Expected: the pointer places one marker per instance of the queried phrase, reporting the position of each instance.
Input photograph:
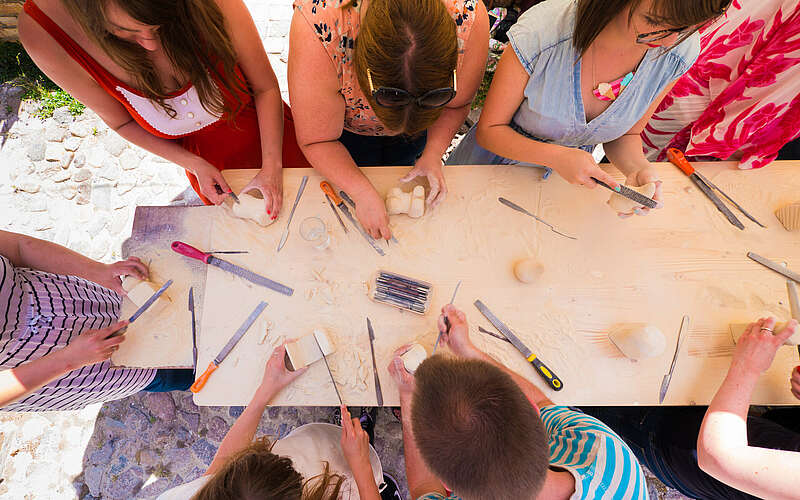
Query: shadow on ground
(147, 443)
(10, 101)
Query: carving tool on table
(794, 303)
(190, 251)
(300, 190)
(662, 393)
(350, 201)
(546, 373)
(401, 291)
(492, 334)
(214, 364)
(333, 381)
(228, 252)
(630, 194)
(328, 190)
(706, 186)
(782, 270)
(518, 208)
(338, 217)
(194, 333)
(149, 302)
(229, 193)
(378, 392)
(446, 321)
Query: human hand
(270, 184)
(209, 178)
(641, 177)
(431, 168)
(402, 377)
(577, 166)
(276, 375)
(371, 213)
(457, 339)
(354, 442)
(795, 380)
(757, 346)
(92, 346)
(109, 275)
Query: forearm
(365, 482)
(269, 108)
(167, 149)
(508, 143)
(332, 160)
(420, 479)
(16, 383)
(242, 432)
(626, 154)
(441, 133)
(51, 257)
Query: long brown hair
(255, 473)
(460, 416)
(193, 36)
(594, 15)
(407, 44)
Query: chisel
(194, 333)
(333, 380)
(446, 321)
(630, 194)
(149, 302)
(214, 364)
(300, 190)
(775, 266)
(338, 217)
(328, 190)
(378, 392)
(190, 251)
(662, 393)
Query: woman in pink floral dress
(741, 99)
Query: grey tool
(190, 251)
(300, 190)
(446, 321)
(492, 334)
(333, 381)
(775, 266)
(229, 193)
(518, 208)
(378, 392)
(665, 381)
(630, 194)
(149, 302)
(339, 202)
(714, 186)
(794, 303)
(194, 333)
(546, 373)
(214, 364)
(228, 252)
(336, 213)
(349, 200)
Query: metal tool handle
(190, 251)
(547, 374)
(201, 381)
(328, 189)
(629, 193)
(676, 157)
(347, 198)
(297, 198)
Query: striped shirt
(603, 466)
(40, 313)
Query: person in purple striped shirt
(57, 310)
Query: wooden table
(682, 259)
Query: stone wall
(9, 10)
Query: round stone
(190, 114)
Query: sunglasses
(654, 36)
(390, 97)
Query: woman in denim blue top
(582, 73)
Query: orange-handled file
(200, 382)
(679, 160)
(328, 189)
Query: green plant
(17, 68)
(480, 95)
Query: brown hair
(477, 431)
(594, 15)
(407, 44)
(193, 36)
(255, 473)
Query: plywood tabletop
(684, 258)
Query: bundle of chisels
(401, 291)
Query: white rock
(115, 144)
(79, 160)
(111, 169)
(29, 185)
(95, 156)
(33, 203)
(61, 176)
(53, 152)
(81, 128)
(33, 428)
(84, 194)
(129, 159)
(62, 115)
(126, 182)
(66, 159)
(54, 132)
(72, 143)
(36, 151)
(69, 191)
(82, 175)
(42, 222)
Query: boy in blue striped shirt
(473, 426)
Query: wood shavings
(267, 328)
(352, 370)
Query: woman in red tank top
(186, 80)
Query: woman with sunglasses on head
(582, 73)
(172, 77)
(392, 82)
